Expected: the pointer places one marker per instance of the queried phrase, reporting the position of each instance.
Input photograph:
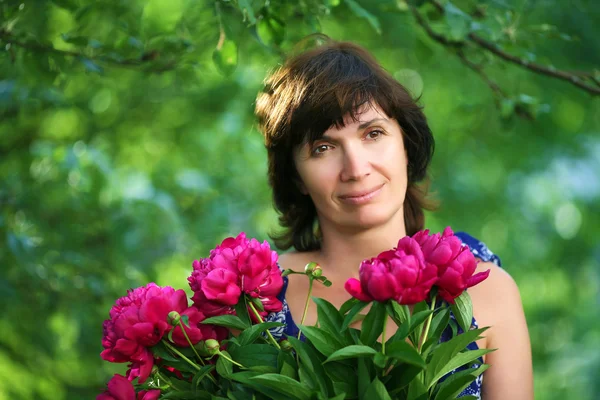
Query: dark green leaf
(249, 335)
(314, 365)
(205, 370)
(347, 306)
(446, 351)
(356, 308)
(377, 391)
(241, 311)
(284, 385)
(254, 355)
(323, 341)
(404, 352)
(458, 361)
(228, 321)
(463, 310)
(352, 351)
(372, 326)
(359, 11)
(457, 382)
(224, 366)
(271, 30)
(330, 318)
(225, 57)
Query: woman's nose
(355, 164)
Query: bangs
(337, 89)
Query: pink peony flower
(400, 274)
(139, 321)
(238, 265)
(120, 388)
(221, 285)
(454, 261)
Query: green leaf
(457, 22)
(245, 378)
(228, 321)
(446, 351)
(205, 370)
(310, 359)
(330, 318)
(225, 56)
(347, 306)
(377, 391)
(458, 361)
(352, 351)
(463, 311)
(247, 11)
(457, 382)
(417, 391)
(241, 311)
(284, 385)
(161, 351)
(249, 335)
(399, 313)
(224, 366)
(180, 395)
(380, 360)
(356, 308)
(323, 341)
(372, 326)
(405, 352)
(271, 30)
(402, 375)
(364, 376)
(256, 355)
(359, 11)
(343, 377)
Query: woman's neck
(342, 252)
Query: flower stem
(230, 360)
(167, 381)
(310, 287)
(174, 350)
(383, 335)
(257, 315)
(190, 343)
(428, 324)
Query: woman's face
(356, 176)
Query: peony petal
(354, 287)
(120, 388)
(477, 278)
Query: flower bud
(310, 267)
(174, 318)
(286, 346)
(211, 346)
(317, 272)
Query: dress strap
(478, 248)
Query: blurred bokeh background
(128, 148)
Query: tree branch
(131, 62)
(576, 79)
(539, 68)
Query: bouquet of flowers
(220, 346)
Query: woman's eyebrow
(367, 123)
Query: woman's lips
(357, 198)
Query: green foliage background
(128, 149)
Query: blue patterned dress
(479, 250)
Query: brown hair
(310, 93)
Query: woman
(347, 148)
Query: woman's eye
(317, 150)
(374, 135)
